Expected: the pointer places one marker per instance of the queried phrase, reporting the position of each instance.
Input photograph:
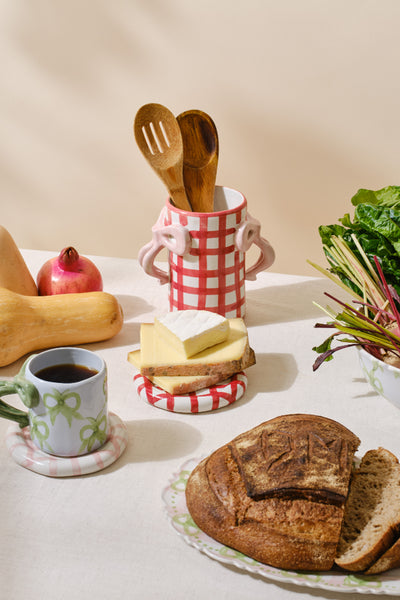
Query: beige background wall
(305, 95)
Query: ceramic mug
(207, 254)
(65, 418)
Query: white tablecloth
(105, 535)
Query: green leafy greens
(376, 225)
(364, 259)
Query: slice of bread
(180, 384)
(389, 560)
(372, 513)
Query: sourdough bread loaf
(277, 492)
(372, 516)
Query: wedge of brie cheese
(178, 384)
(160, 357)
(191, 331)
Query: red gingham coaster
(212, 398)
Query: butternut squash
(14, 274)
(29, 323)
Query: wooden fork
(159, 138)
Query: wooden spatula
(200, 158)
(159, 138)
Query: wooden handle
(180, 199)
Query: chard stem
(365, 259)
(360, 275)
(335, 279)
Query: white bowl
(383, 378)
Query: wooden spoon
(200, 158)
(159, 138)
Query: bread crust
(389, 560)
(300, 456)
(282, 530)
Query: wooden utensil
(159, 138)
(200, 158)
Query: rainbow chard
(374, 325)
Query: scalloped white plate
(180, 519)
(26, 454)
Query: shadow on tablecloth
(292, 302)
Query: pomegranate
(68, 273)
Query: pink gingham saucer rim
(207, 399)
(26, 454)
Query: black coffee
(66, 373)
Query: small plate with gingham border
(208, 399)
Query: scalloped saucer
(26, 454)
(337, 582)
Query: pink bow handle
(174, 238)
(146, 257)
(248, 234)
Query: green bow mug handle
(26, 391)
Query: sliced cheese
(158, 357)
(179, 384)
(191, 331)
(134, 358)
